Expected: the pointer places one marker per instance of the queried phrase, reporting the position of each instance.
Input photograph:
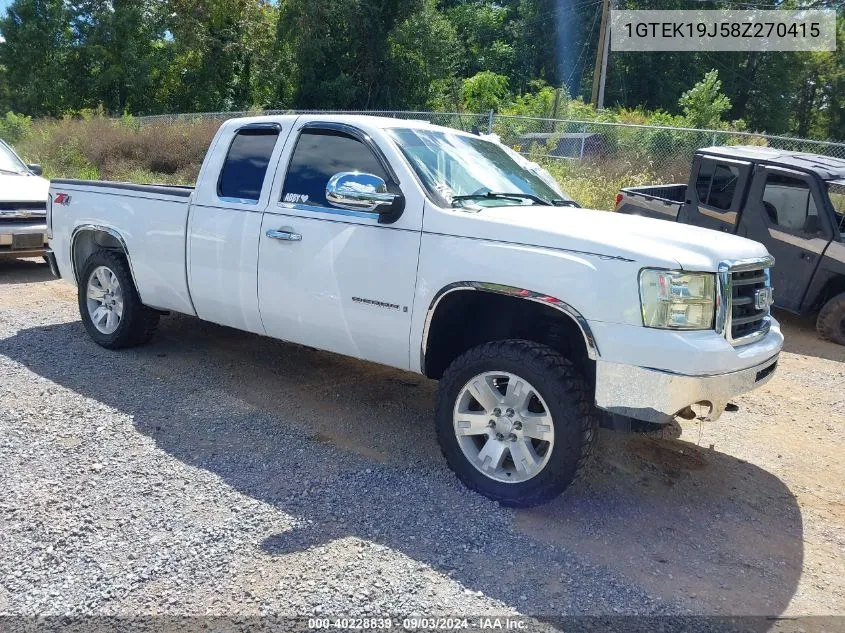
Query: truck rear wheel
(109, 304)
(831, 321)
(515, 421)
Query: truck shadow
(24, 271)
(347, 449)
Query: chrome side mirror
(359, 192)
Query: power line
(553, 13)
(584, 47)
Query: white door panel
(223, 256)
(346, 287)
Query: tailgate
(662, 202)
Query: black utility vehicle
(792, 202)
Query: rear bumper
(50, 256)
(20, 239)
(658, 396)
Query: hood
(23, 188)
(648, 241)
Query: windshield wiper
(496, 195)
(563, 202)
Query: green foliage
(484, 91)
(93, 146)
(540, 102)
(14, 127)
(595, 184)
(704, 103)
(519, 57)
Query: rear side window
(246, 164)
(716, 184)
(789, 203)
(319, 155)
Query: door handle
(286, 236)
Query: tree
(704, 103)
(38, 57)
(222, 54)
(484, 91)
(116, 50)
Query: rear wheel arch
(465, 314)
(89, 238)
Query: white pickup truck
(23, 205)
(437, 252)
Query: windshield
(836, 193)
(455, 165)
(9, 162)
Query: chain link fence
(591, 159)
(565, 139)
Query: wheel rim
(104, 298)
(504, 426)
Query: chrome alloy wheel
(104, 298)
(503, 426)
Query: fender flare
(82, 228)
(511, 291)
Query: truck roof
(363, 121)
(826, 167)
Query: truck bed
(182, 191)
(654, 201)
(151, 221)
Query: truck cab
(792, 202)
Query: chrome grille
(30, 205)
(744, 297)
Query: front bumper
(23, 239)
(658, 396)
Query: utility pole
(602, 52)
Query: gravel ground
(217, 472)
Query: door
(715, 198)
(335, 278)
(225, 222)
(782, 212)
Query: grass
(594, 183)
(94, 147)
(109, 149)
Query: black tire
(567, 397)
(138, 323)
(831, 321)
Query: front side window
(9, 162)
(454, 166)
(836, 193)
(789, 204)
(246, 164)
(319, 155)
(716, 184)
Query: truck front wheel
(109, 304)
(831, 320)
(515, 421)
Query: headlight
(675, 300)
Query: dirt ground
(739, 517)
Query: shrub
(93, 146)
(14, 127)
(485, 91)
(594, 183)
